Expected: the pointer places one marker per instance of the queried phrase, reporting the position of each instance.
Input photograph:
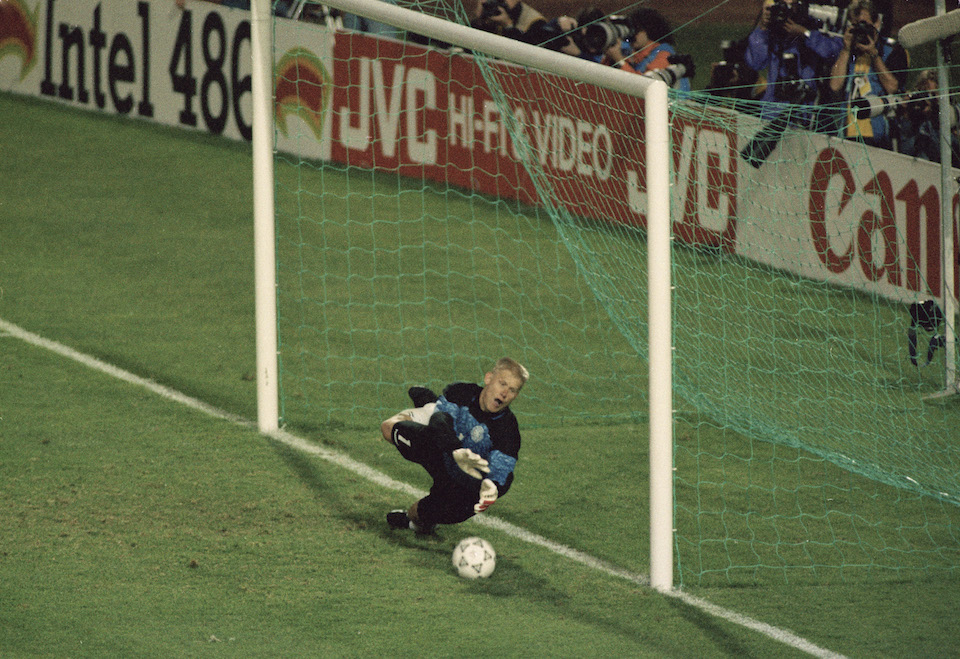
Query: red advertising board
(819, 206)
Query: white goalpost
(265, 270)
(939, 29)
(951, 384)
(657, 193)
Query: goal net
(437, 209)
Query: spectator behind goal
(916, 126)
(868, 65)
(651, 48)
(793, 54)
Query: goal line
(379, 478)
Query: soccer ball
(474, 558)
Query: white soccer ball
(474, 558)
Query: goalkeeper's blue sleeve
(501, 466)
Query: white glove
(488, 494)
(470, 462)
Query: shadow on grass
(711, 628)
(514, 579)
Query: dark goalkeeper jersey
(494, 437)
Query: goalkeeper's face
(499, 390)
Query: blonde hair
(927, 75)
(515, 367)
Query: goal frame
(657, 150)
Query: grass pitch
(134, 526)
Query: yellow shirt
(861, 87)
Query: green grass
(385, 282)
(135, 526)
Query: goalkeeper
(468, 441)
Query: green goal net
(437, 209)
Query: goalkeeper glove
(470, 462)
(488, 495)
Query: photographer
(917, 124)
(583, 36)
(559, 34)
(867, 65)
(508, 18)
(795, 54)
(731, 77)
(651, 47)
(591, 36)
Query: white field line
(342, 460)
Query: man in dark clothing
(467, 439)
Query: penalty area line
(339, 459)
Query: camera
(491, 8)
(790, 87)
(871, 106)
(810, 16)
(921, 105)
(598, 37)
(730, 71)
(681, 66)
(554, 37)
(863, 33)
(733, 51)
(781, 12)
(925, 105)
(917, 106)
(822, 15)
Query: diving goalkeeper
(467, 439)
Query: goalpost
(657, 138)
(941, 29)
(437, 207)
(265, 267)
